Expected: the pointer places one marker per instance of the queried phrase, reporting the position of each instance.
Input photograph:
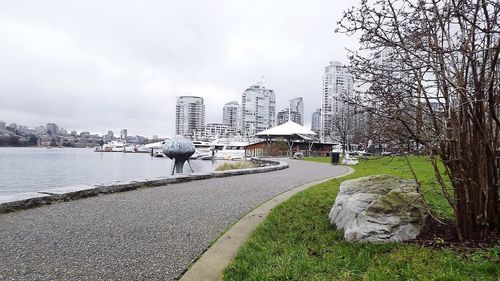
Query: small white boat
(203, 149)
(114, 146)
(130, 148)
(118, 148)
(232, 151)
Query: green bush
(235, 166)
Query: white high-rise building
(189, 116)
(316, 121)
(258, 110)
(297, 107)
(337, 82)
(231, 115)
(214, 131)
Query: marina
(224, 149)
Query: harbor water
(34, 169)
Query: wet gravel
(151, 233)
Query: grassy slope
(297, 242)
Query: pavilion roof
(289, 129)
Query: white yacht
(155, 149)
(115, 146)
(203, 149)
(232, 151)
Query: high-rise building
(189, 115)
(337, 83)
(215, 130)
(123, 134)
(231, 115)
(282, 116)
(52, 129)
(316, 121)
(286, 114)
(2, 125)
(258, 109)
(108, 137)
(297, 110)
(74, 133)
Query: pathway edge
(211, 264)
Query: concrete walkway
(151, 233)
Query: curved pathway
(151, 233)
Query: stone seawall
(9, 203)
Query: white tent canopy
(287, 130)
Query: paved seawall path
(151, 233)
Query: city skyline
(190, 111)
(92, 74)
(42, 129)
(257, 112)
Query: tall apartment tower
(258, 109)
(189, 115)
(297, 110)
(287, 114)
(231, 115)
(282, 116)
(124, 134)
(337, 82)
(316, 121)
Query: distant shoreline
(40, 146)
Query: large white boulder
(379, 208)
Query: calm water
(33, 169)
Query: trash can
(334, 158)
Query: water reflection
(32, 169)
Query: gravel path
(150, 233)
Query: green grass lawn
(297, 242)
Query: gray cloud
(99, 65)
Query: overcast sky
(107, 65)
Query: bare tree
(342, 122)
(432, 66)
